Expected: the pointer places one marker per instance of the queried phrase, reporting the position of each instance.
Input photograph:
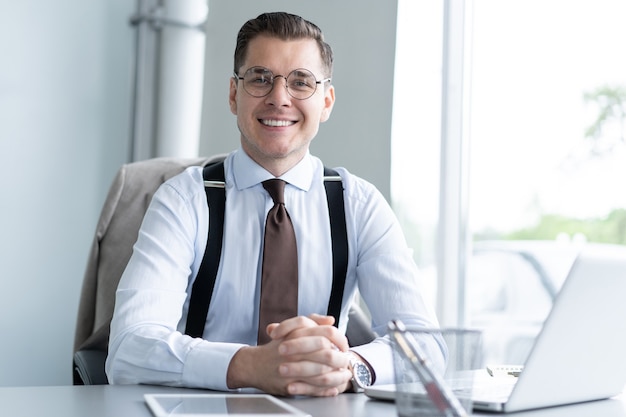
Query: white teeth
(276, 123)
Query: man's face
(277, 128)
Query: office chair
(116, 233)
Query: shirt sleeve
(387, 277)
(147, 344)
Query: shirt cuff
(206, 365)
(378, 356)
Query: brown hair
(283, 26)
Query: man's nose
(279, 93)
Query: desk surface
(127, 401)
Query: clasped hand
(306, 356)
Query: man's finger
(282, 329)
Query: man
(280, 93)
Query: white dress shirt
(147, 342)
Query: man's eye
(300, 83)
(260, 80)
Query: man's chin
(274, 151)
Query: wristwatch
(361, 374)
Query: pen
(437, 390)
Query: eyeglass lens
(258, 82)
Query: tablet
(220, 405)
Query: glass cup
(451, 373)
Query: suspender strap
(339, 239)
(202, 290)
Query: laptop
(579, 354)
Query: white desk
(127, 401)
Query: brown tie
(279, 274)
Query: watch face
(362, 375)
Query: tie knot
(276, 189)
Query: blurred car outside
(509, 291)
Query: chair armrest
(359, 331)
(89, 367)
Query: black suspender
(339, 238)
(202, 289)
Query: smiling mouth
(276, 123)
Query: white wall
(65, 90)
(64, 111)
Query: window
(416, 129)
(544, 119)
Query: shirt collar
(248, 173)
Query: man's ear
(329, 102)
(232, 96)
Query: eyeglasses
(300, 83)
